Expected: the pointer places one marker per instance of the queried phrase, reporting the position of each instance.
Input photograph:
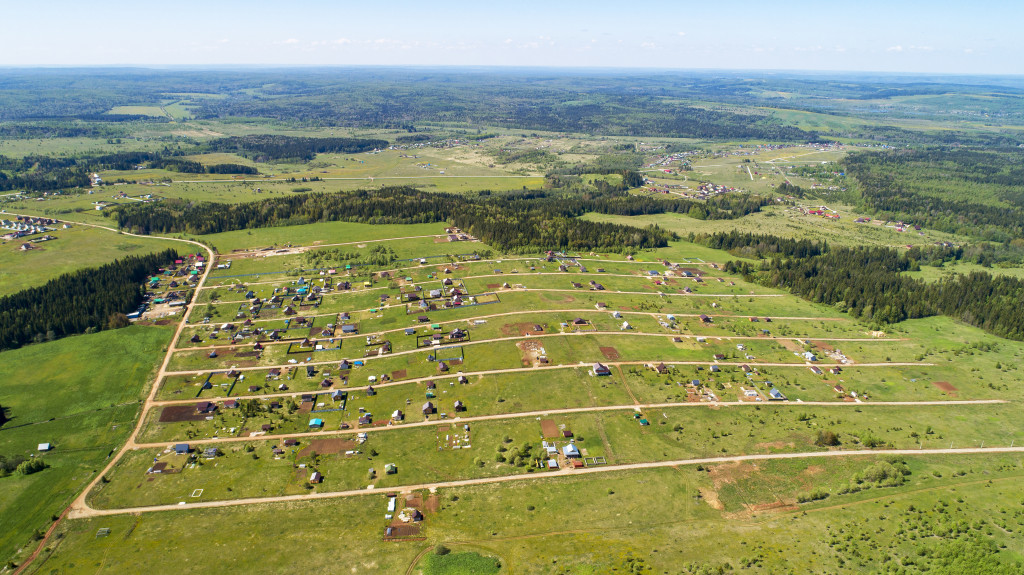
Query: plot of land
(172, 413)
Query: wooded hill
(517, 221)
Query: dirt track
(565, 472)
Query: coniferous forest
(86, 300)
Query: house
(719, 357)
(835, 370)
(370, 392)
(442, 366)
(316, 422)
(231, 404)
(195, 338)
(704, 318)
(810, 356)
(745, 368)
(44, 447)
(815, 370)
(570, 451)
(254, 388)
(714, 369)
(291, 442)
(397, 415)
(206, 407)
(428, 408)
(390, 469)
(431, 385)
(552, 464)
(463, 379)
(266, 427)
(344, 365)
(315, 477)
(410, 331)
(366, 419)
(310, 371)
(423, 319)
(579, 321)
(182, 449)
(776, 395)
(661, 368)
(459, 406)
(348, 328)
(600, 369)
(211, 453)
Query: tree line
(268, 147)
(508, 221)
(82, 301)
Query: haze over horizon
(909, 37)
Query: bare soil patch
(531, 350)
(823, 345)
(730, 472)
(328, 446)
(493, 286)
(944, 385)
(399, 374)
(791, 345)
(173, 413)
(548, 428)
(710, 496)
(610, 353)
(433, 503)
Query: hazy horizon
(873, 37)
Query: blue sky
(858, 35)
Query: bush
(441, 550)
(31, 466)
(827, 439)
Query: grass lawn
(81, 394)
(74, 248)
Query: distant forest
(866, 282)
(519, 221)
(85, 300)
(969, 192)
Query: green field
(80, 394)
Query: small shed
(44, 447)
(570, 451)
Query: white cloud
(648, 45)
(680, 33)
(968, 50)
(508, 40)
(896, 48)
(342, 41)
(289, 41)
